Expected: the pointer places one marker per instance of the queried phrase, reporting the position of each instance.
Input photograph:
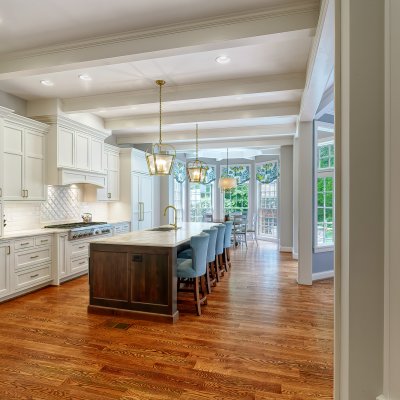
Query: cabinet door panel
(13, 140)
(112, 162)
(97, 159)
(66, 148)
(34, 144)
(113, 184)
(82, 151)
(135, 201)
(4, 269)
(34, 178)
(12, 178)
(146, 192)
(147, 220)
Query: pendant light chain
(160, 83)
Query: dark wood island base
(136, 281)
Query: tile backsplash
(64, 204)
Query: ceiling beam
(251, 144)
(207, 115)
(321, 62)
(244, 133)
(229, 87)
(201, 35)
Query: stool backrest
(199, 245)
(220, 239)
(228, 233)
(211, 243)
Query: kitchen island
(135, 273)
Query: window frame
(249, 198)
(258, 204)
(182, 199)
(323, 173)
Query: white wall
(392, 231)
(296, 198)
(14, 103)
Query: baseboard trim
(295, 256)
(285, 249)
(322, 275)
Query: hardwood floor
(260, 337)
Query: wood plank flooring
(260, 337)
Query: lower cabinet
(25, 264)
(5, 268)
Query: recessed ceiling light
(102, 111)
(85, 77)
(47, 82)
(223, 60)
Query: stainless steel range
(80, 230)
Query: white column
(305, 182)
(360, 200)
(286, 199)
(295, 251)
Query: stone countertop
(150, 238)
(32, 232)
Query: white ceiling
(268, 56)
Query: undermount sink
(163, 229)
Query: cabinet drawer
(22, 244)
(34, 276)
(42, 240)
(119, 229)
(80, 250)
(28, 258)
(79, 265)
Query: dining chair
(240, 229)
(227, 245)
(253, 227)
(194, 268)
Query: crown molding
(60, 120)
(4, 112)
(27, 122)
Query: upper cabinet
(111, 191)
(22, 158)
(74, 147)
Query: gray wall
(323, 261)
(15, 103)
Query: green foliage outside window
(237, 199)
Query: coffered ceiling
(274, 47)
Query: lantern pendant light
(197, 169)
(227, 182)
(160, 157)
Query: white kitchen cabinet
(142, 201)
(5, 268)
(97, 156)
(111, 191)
(73, 147)
(66, 147)
(23, 144)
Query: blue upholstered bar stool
(195, 268)
(210, 274)
(219, 251)
(227, 245)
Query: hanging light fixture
(227, 182)
(197, 169)
(160, 157)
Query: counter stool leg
(197, 295)
(208, 280)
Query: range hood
(70, 177)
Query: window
(324, 204)
(268, 200)
(236, 200)
(179, 196)
(201, 200)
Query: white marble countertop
(32, 232)
(171, 238)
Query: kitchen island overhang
(135, 274)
